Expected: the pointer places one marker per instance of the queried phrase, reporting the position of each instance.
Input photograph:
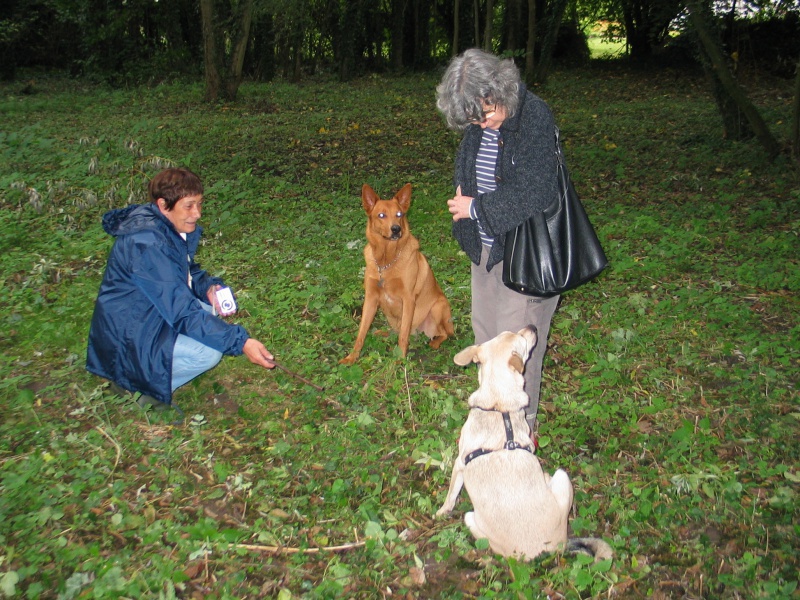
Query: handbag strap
(559, 152)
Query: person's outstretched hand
(258, 354)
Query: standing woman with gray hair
(505, 171)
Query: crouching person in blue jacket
(154, 326)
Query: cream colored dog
(519, 508)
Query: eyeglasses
(485, 115)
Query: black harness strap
(509, 445)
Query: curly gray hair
(472, 79)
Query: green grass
(602, 48)
(670, 391)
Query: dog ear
(531, 335)
(516, 363)
(404, 197)
(368, 198)
(466, 356)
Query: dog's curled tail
(591, 546)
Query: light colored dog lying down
(519, 508)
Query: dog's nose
(396, 229)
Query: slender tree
(514, 25)
(398, 33)
(488, 27)
(729, 89)
(476, 20)
(454, 47)
(223, 62)
(556, 10)
(530, 49)
(796, 116)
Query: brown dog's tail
(591, 546)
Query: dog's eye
(381, 215)
(399, 215)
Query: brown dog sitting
(517, 506)
(398, 277)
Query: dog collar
(509, 445)
(381, 269)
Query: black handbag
(556, 249)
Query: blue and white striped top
(485, 166)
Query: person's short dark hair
(174, 184)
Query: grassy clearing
(602, 48)
(670, 390)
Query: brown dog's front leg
(405, 324)
(367, 315)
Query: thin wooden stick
(116, 446)
(284, 550)
(300, 377)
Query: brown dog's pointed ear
(404, 197)
(466, 356)
(515, 362)
(368, 198)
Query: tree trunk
(728, 82)
(454, 49)
(398, 27)
(487, 30)
(211, 65)
(734, 124)
(513, 25)
(559, 7)
(241, 35)
(637, 35)
(222, 81)
(476, 15)
(264, 48)
(346, 57)
(297, 55)
(796, 117)
(422, 33)
(530, 57)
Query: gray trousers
(496, 308)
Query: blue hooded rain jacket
(145, 301)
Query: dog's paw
(437, 341)
(349, 359)
(443, 511)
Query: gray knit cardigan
(526, 176)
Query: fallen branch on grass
(285, 550)
(298, 376)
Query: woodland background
(129, 41)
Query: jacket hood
(139, 217)
(133, 218)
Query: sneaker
(115, 389)
(144, 401)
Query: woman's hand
(459, 205)
(257, 354)
(212, 300)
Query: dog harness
(509, 445)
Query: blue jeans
(190, 358)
